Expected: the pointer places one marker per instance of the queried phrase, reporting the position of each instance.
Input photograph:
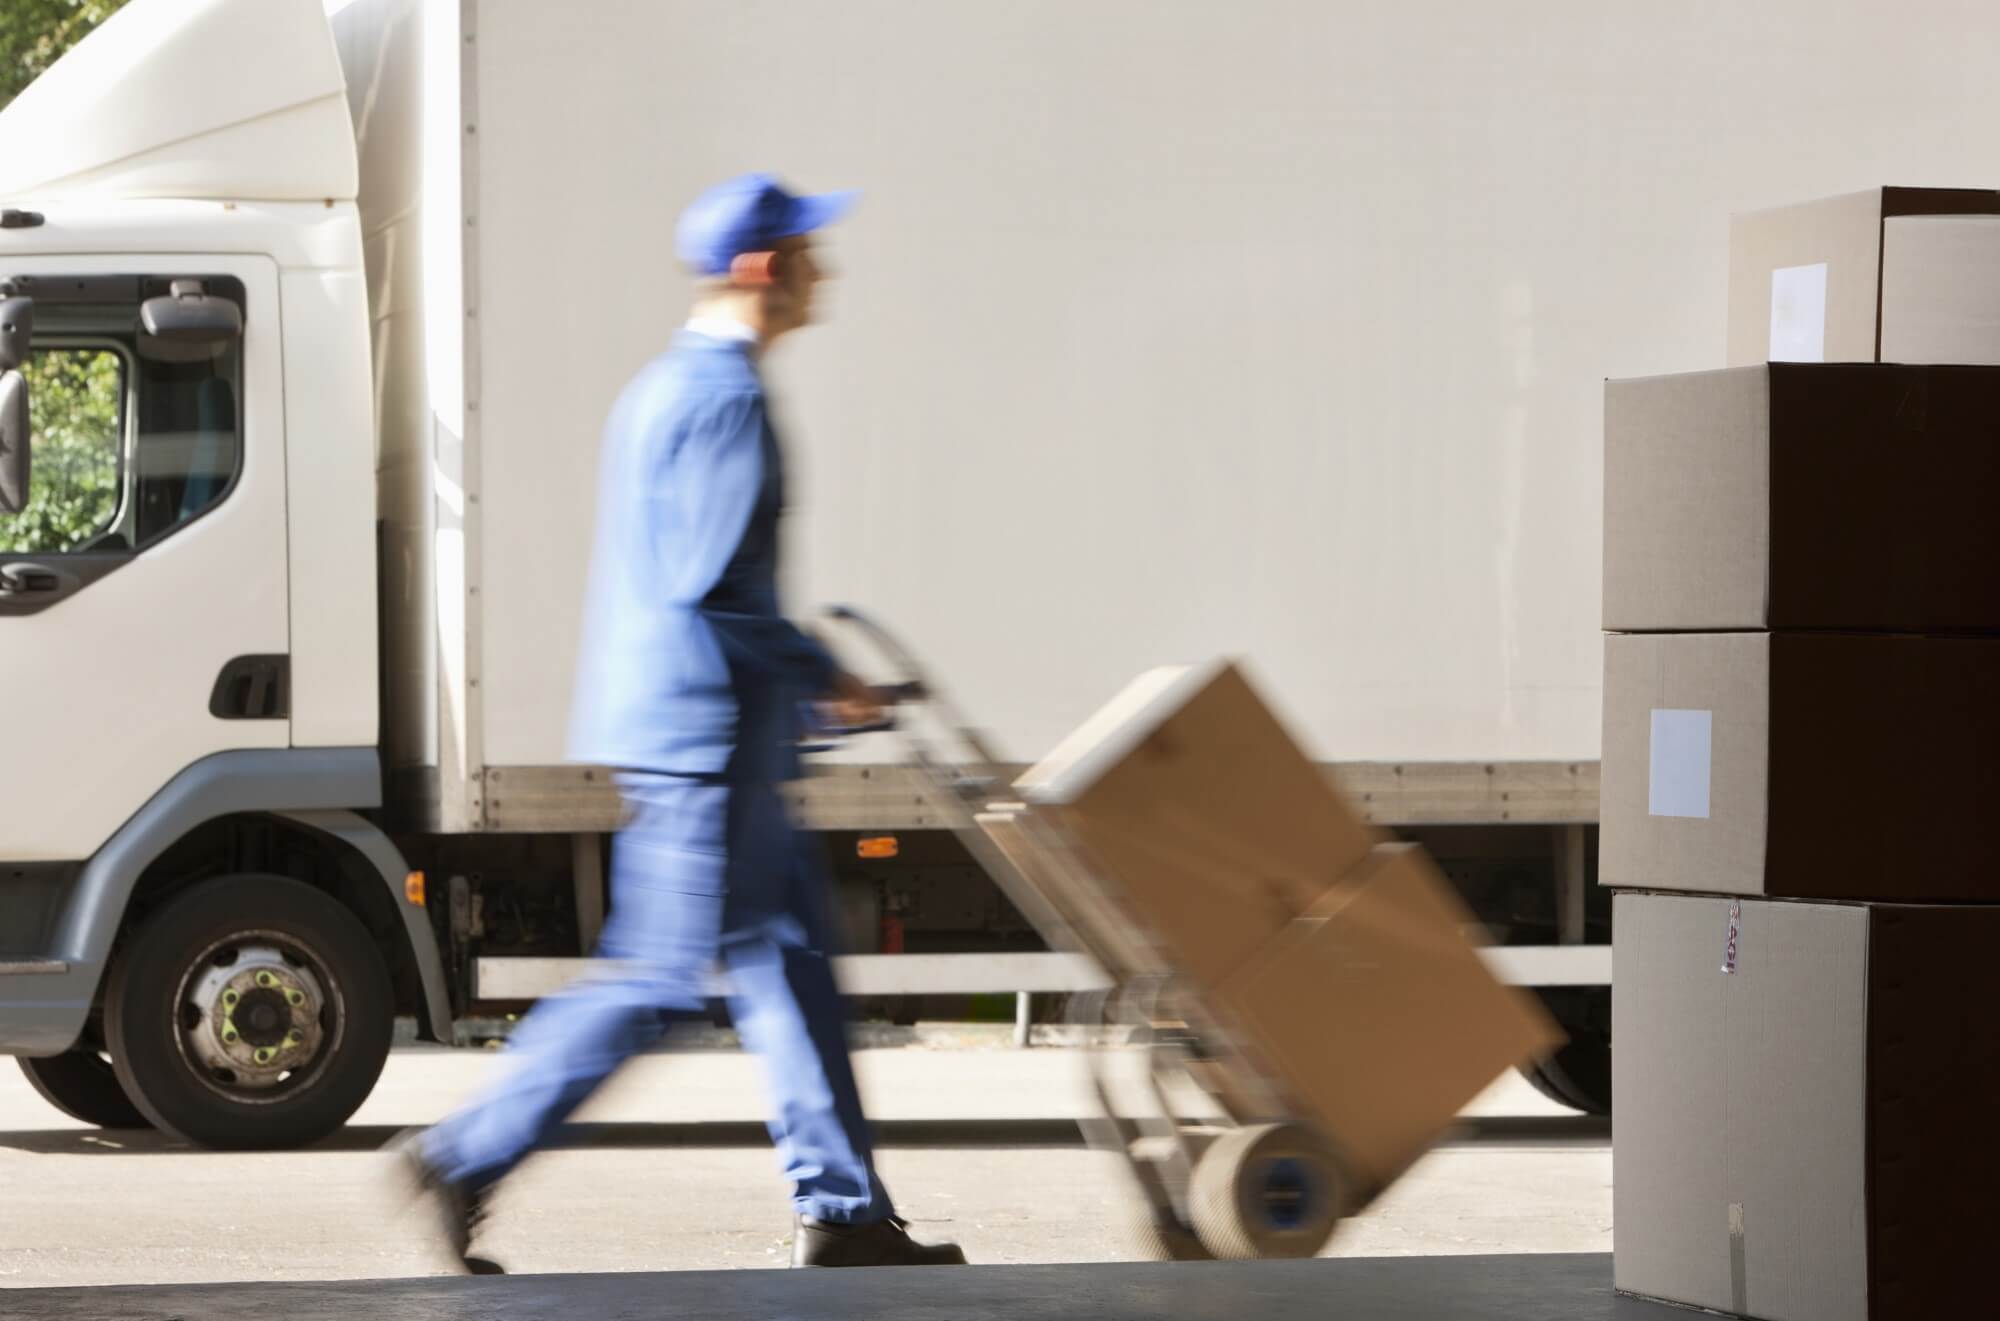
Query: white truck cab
(188, 590)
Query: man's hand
(853, 704)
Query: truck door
(143, 611)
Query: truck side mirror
(17, 328)
(17, 324)
(13, 443)
(189, 315)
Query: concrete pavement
(979, 1145)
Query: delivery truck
(1166, 331)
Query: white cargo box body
(1165, 330)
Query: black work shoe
(877, 1243)
(459, 1210)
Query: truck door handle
(25, 579)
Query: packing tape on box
(1739, 1289)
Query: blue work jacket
(688, 665)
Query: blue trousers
(706, 874)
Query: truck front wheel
(251, 1013)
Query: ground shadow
(1528, 1131)
(953, 1134)
(957, 1134)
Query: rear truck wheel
(83, 1085)
(1578, 1075)
(1267, 1190)
(251, 1013)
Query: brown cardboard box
(1809, 765)
(1380, 1015)
(1803, 497)
(1889, 275)
(1190, 795)
(1805, 1098)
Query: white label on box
(1678, 781)
(1798, 313)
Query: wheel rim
(257, 1017)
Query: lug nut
(295, 998)
(267, 980)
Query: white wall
(1171, 327)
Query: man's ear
(754, 270)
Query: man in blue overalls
(690, 685)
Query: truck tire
(83, 1085)
(1578, 1075)
(1266, 1190)
(251, 1013)
(1556, 1082)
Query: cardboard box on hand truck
(1345, 962)
(1379, 1014)
(1217, 827)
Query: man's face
(789, 299)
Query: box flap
(1112, 732)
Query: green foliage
(73, 491)
(35, 33)
(75, 398)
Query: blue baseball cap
(749, 214)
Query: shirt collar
(726, 329)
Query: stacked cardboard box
(1889, 275)
(1801, 743)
